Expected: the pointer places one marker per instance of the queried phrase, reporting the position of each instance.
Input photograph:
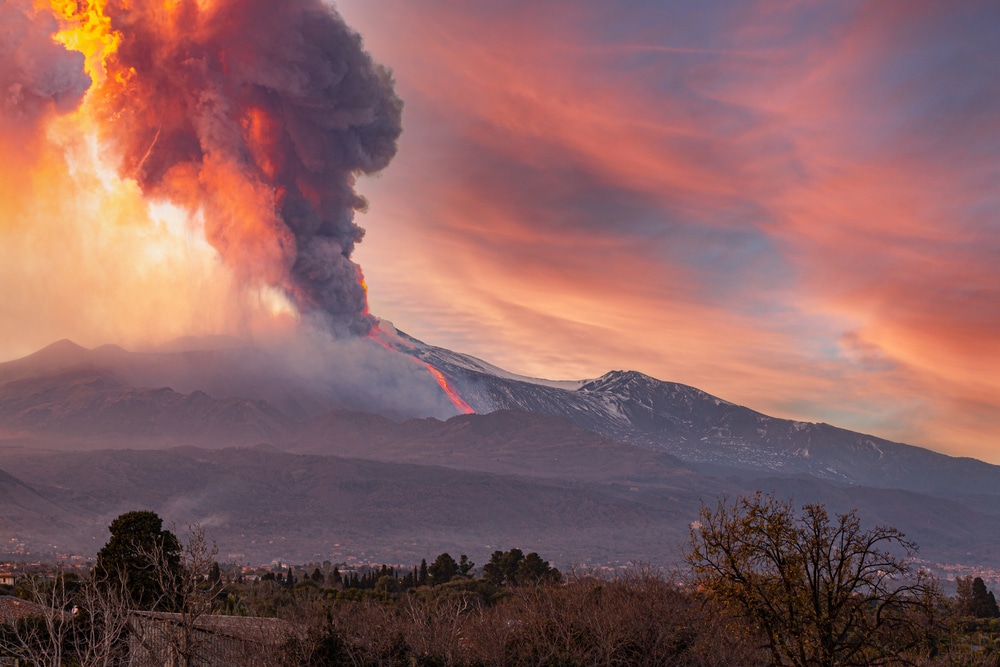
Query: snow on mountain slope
(249, 393)
(703, 429)
(441, 356)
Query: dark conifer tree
(422, 579)
(138, 548)
(984, 604)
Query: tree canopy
(974, 599)
(820, 592)
(442, 569)
(137, 556)
(511, 568)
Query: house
(6, 579)
(12, 609)
(159, 639)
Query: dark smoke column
(261, 114)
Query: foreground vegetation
(765, 585)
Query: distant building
(6, 578)
(12, 609)
(159, 640)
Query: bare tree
(436, 624)
(81, 625)
(819, 592)
(189, 591)
(102, 608)
(41, 632)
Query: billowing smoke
(143, 142)
(37, 75)
(258, 114)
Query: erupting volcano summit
(254, 117)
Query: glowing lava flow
(462, 406)
(380, 337)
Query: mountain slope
(700, 428)
(240, 396)
(268, 504)
(553, 465)
(503, 442)
(31, 520)
(86, 403)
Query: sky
(789, 205)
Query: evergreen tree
(984, 604)
(137, 550)
(465, 565)
(534, 570)
(422, 579)
(442, 569)
(503, 566)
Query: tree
(103, 610)
(510, 568)
(465, 565)
(974, 599)
(141, 554)
(819, 592)
(534, 570)
(422, 579)
(192, 593)
(442, 569)
(43, 635)
(502, 568)
(69, 622)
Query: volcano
(277, 462)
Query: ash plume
(259, 114)
(37, 76)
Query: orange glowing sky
(792, 206)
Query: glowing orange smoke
(254, 119)
(87, 29)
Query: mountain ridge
(602, 470)
(700, 428)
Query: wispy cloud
(790, 205)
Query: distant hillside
(88, 403)
(270, 504)
(612, 469)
